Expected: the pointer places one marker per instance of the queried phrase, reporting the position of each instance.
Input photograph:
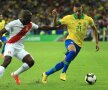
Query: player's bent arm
(48, 28)
(3, 31)
(52, 28)
(95, 32)
(54, 13)
(55, 21)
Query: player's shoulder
(2, 22)
(14, 22)
(67, 17)
(87, 17)
(17, 21)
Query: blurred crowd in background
(41, 9)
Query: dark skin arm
(48, 28)
(55, 13)
(55, 26)
(40, 28)
(1, 33)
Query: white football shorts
(13, 50)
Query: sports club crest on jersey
(84, 23)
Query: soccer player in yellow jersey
(77, 25)
(3, 39)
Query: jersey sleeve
(9, 26)
(91, 22)
(35, 26)
(64, 20)
(2, 24)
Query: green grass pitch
(46, 55)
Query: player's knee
(31, 63)
(7, 61)
(29, 60)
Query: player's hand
(54, 12)
(97, 47)
(0, 44)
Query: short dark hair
(77, 5)
(26, 14)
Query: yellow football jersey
(2, 24)
(77, 28)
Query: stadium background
(41, 9)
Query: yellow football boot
(63, 76)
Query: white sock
(23, 68)
(2, 69)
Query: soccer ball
(90, 78)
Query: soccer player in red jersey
(18, 30)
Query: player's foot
(63, 76)
(44, 78)
(16, 78)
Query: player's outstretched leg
(6, 62)
(51, 71)
(28, 62)
(2, 69)
(69, 57)
(44, 78)
(16, 78)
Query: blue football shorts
(68, 42)
(3, 39)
